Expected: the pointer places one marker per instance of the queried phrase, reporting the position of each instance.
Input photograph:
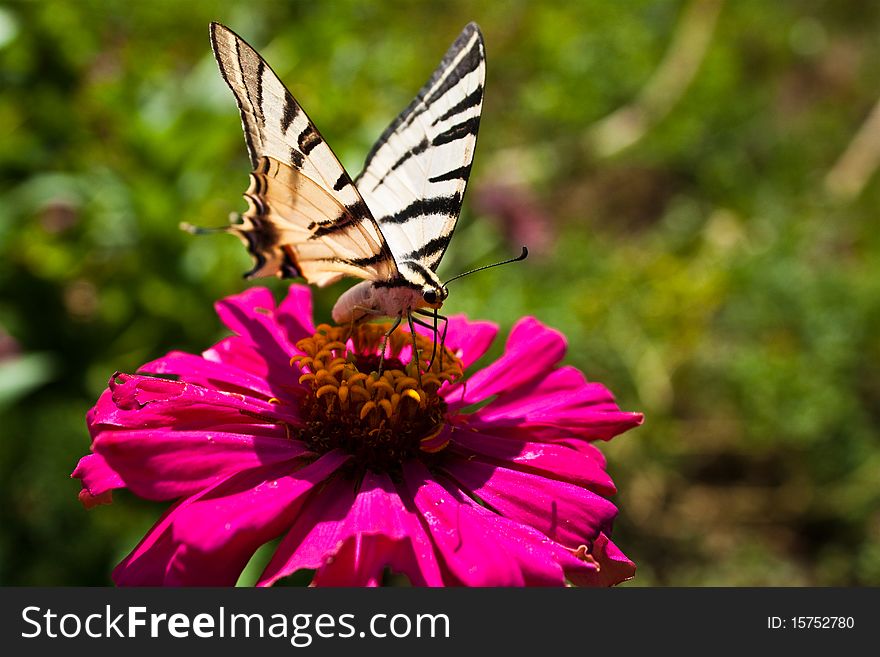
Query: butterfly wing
(305, 217)
(415, 175)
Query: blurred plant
(20, 373)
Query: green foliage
(705, 274)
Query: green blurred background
(695, 180)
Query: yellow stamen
(360, 392)
(383, 386)
(324, 390)
(405, 382)
(428, 445)
(323, 377)
(366, 408)
(412, 394)
(435, 448)
(372, 418)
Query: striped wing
(305, 217)
(415, 175)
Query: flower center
(380, 420)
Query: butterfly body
(369, 299)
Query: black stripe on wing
(288, 116)
(460, 173)
(421, 103)
(442, 205)
(468, 63)
(363, 262)
(421, 147)
(471, 100)
(438, 244)
(355, 215)
(308, 139)
(421, 270)
(458, 131)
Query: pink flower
(282, 430)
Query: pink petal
(350, 538)
(210, 373)
(544, 560)
(237, 310)
(238, 352)
(582, 446)
(142, 401)
(555, 424)
(613, 565)
(547, 459)
(104, 408)
(480, 548)
(251, 314)
(90, 501)
(532, 433)
(469, 339)
(568, 514)
(164, 464)
(150, 563)
(562, 401)
(561, 387)
(207, 539)
(294, 313)
(530, 353)
(282, 380)
(97, 477)
(468, 550)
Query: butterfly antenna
(199, 230)
(521, 256)
(234, 218)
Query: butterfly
(391, 225)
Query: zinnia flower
(287, 430)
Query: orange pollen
(380, 420)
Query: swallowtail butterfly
(391, 225)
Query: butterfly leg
(433, 328)
(443, 337)
(385, 337)
(366, 311)
(435, 316)
(415, 356)
(365, 316)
